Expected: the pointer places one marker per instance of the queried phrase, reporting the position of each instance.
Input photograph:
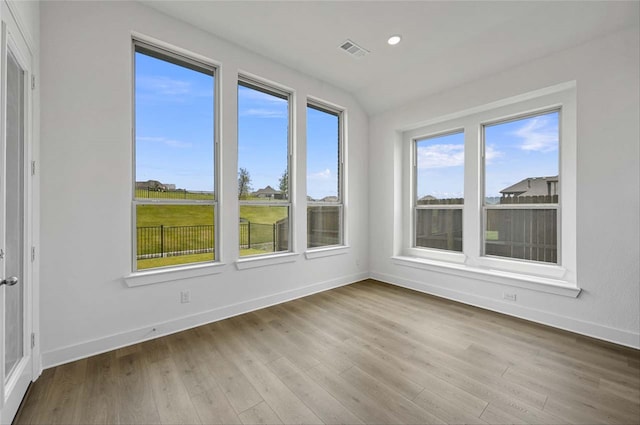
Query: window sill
(534, 283)
(151, 277)
(266, 260)
(326, 252)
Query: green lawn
(261, 219)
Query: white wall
(86, 178)
(606, 71)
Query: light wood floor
(365, 353)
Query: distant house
(267, 192)
(532, 186)
(330, 199)
(151, 185)
(426, 198)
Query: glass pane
(522, 160)
(439, 228)
(440, 170)
(522, 233)
(263, 145)
(263, 229)
(14, 295)
(323, 226)
(169, 235)
(323, 156)
(174, 117)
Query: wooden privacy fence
(323, 225)
(523, 233)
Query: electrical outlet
(510, 297)
(185, 296)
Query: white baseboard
(617, 336)
(101, 345)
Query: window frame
(273, 89)
(472, 262)
(340, 113)
(184, 58)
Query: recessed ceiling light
(394, 39)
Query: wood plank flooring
(364, 353)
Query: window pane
(174, 234)
(323, 226)
(440, 170)
(263, 140)
(174, 119)
(323, 155)
(528, 234)
(263, 229)
(439, 228)
(522, 161)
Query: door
(15, 293)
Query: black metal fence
(150, 193)
(168, 241)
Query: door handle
(9, 281)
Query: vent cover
(353, 49)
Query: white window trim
(170, 274)
(153, 275)
(327, 250)
(471, 262)
(259, 260)
(264, 260)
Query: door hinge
(33, 340)
(33, 82)
(33, 168)
(33, 253)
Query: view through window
(174, 197)
(324, 177)
(522, 187)
(263, 168)
(439, 191)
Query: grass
(261, 219)
(151, 263)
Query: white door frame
(13, 39)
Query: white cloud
(164, 85)
(440, 156)
(538, 135)
(320, 175)
(167, 142)
(264, 113)
(491, 153)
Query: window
(439, 191)
(521, 180)
(325, 168)
(264, 183)
(174, 196)
(505, 173)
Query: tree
(284, 182)
(244, 183)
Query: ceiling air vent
(353, 49)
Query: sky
(174, 132)
(514, 151)
(174, 140)
(174, 124)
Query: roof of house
(266, 191)
(531, 186)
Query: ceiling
(445, 43)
